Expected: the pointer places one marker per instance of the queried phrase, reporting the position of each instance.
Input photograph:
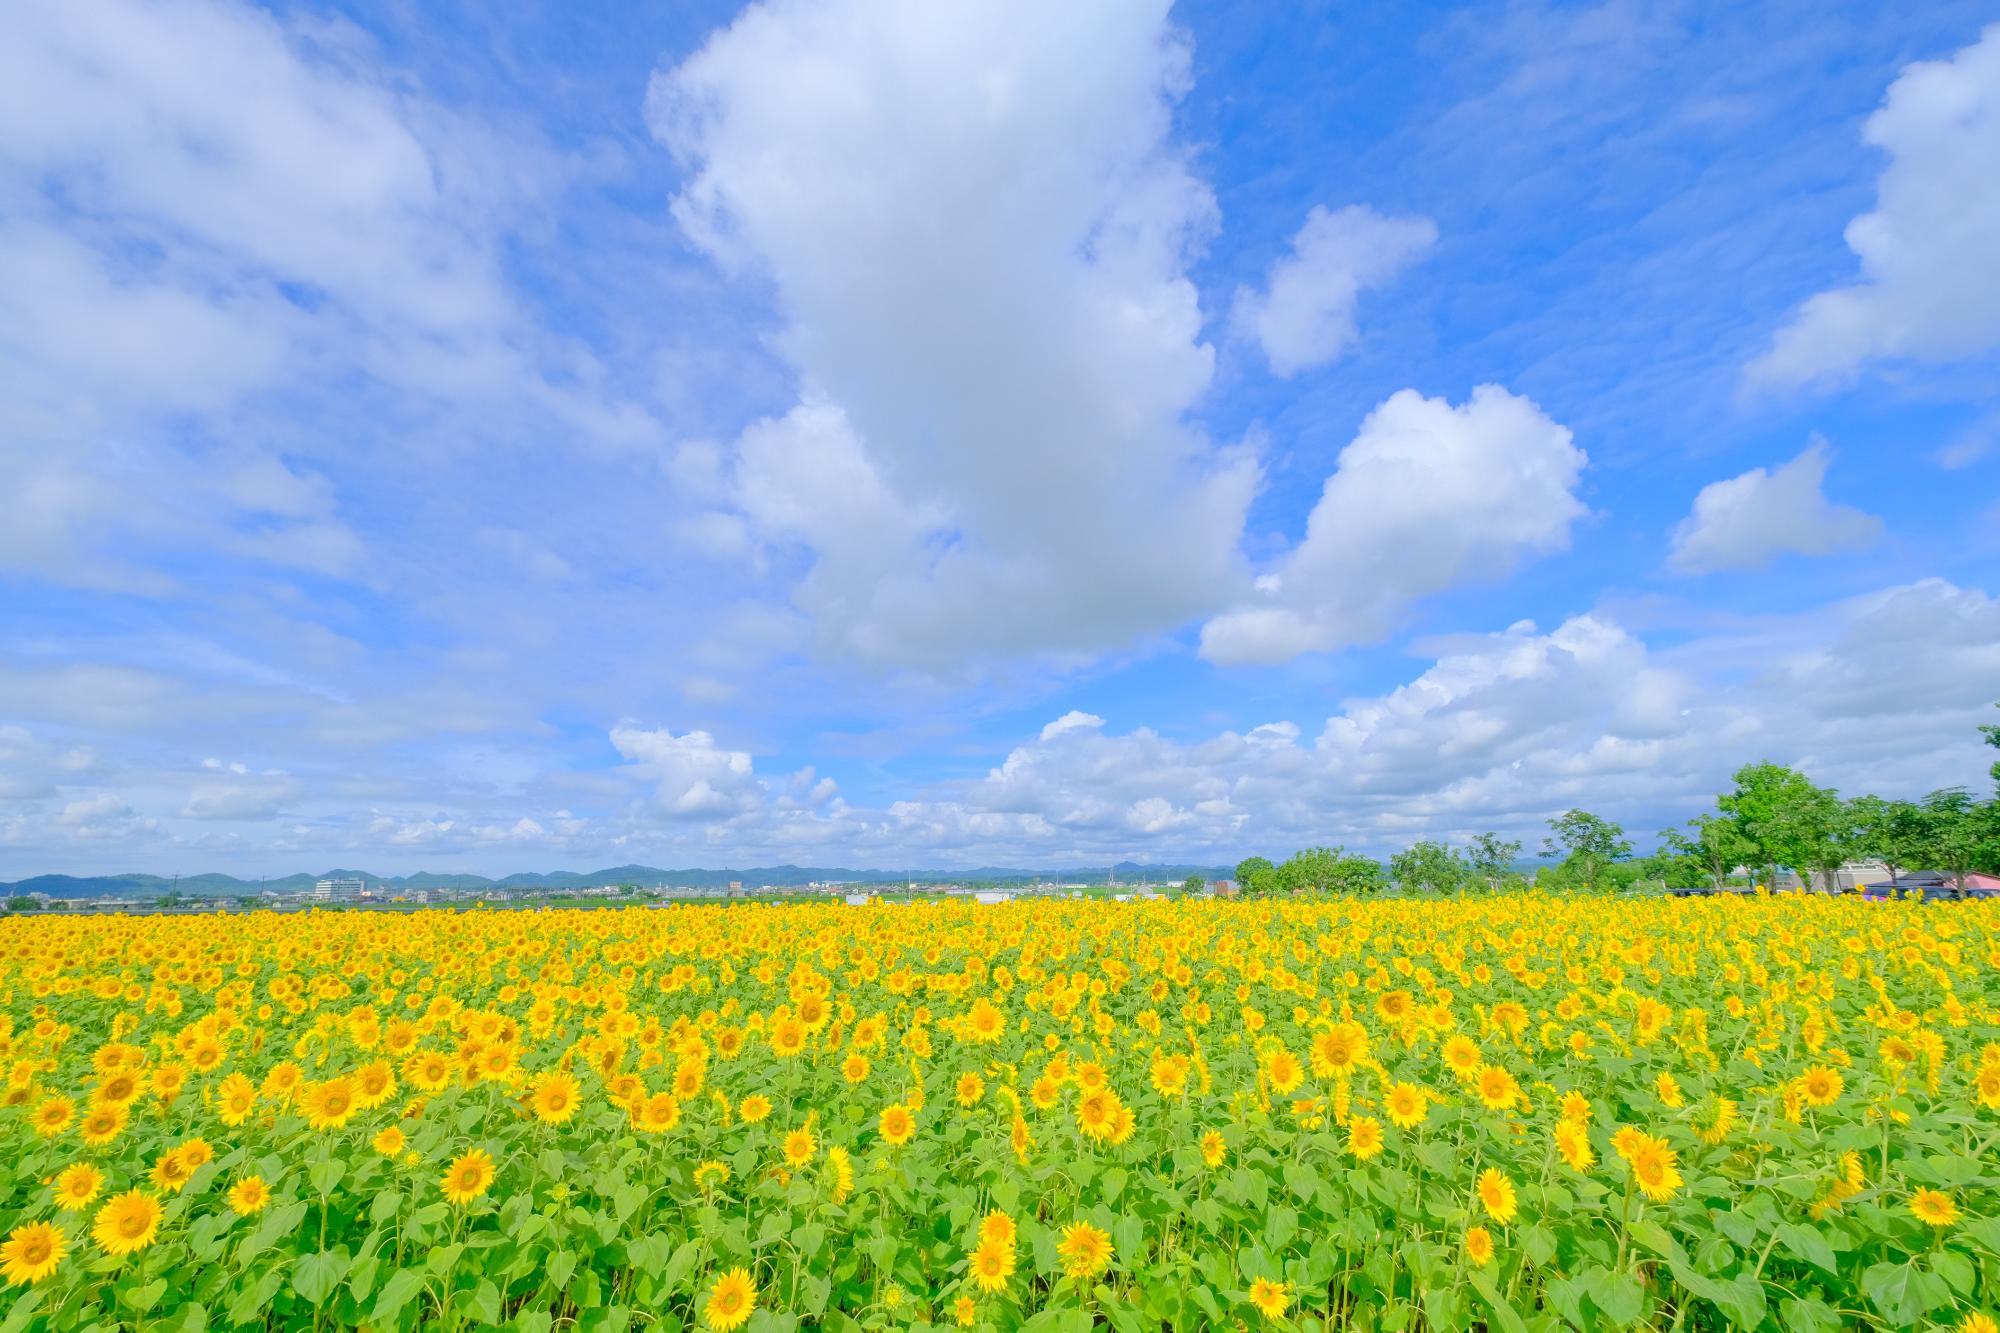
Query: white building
(339, 891)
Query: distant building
(339, 891)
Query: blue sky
(483, 438)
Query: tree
(21, 902)
(1764, 794)
(1815, 832)
(1255, 876)
(1956, 831)
(1713, 847)
(1429, 867)
(1194, 884)
(1588, 846)
(1493, 858)
(1992, 735)
(1890, 831)
(1328, 870)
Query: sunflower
(1364, 1137)
(1285, 1072)
(52, 1117)
(730, 1301)
(970, 1089)
(1934, 1208)
(1406, 1105)
(556, 1097)
(429, 1070)
(128, 1223)
(985, 1022)
(656, 1114)
(965, 1312)
(249, 1196)
(754, 1109)
(1497, 1088)
(389, 1142)
(898, 1126)
(120, 1089)
(76, 1185)
(1573, 1145)
(1462, 1057)
(800, 1147)
(31, 1252)
(998, 1228)
(1654, 1168)
(1085, 1250)
(1337, 1051)
(788, 1037)
(235, 1099)
(330, 1105)
(1820, 1086)
(374, 1084)
(1479, 1246)
(468, 1176)
(854, 1068)
(840, 1167)
(171, 1171)
(1214, 1148)
(1270, 1297)
(101, 1124)
(992, 1263)
(1496, 1195)
(1978, 1322)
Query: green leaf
(252, 1301)
(386, 1205)
(403, 1284)
(314, 1276)
(485, 1303)
(1809, 1244)
(561, 1264)
(324, 1175)
(1620, 1296)
(1504, 1315)
(680, 1265)
(533, 1321)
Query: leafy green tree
(1429, 867)
(1711, 845)
(1194, 884)
(1891, 832)
(1492, 858)
(1958, 831)
(1818, 833)
(1328, 870)
(1992, 735)
(1760, 805)
(1256, 876)
(1588, 845)
(22, 903)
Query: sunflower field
(1523, 1113)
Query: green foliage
(1492, 858)
(1430, 867)
(1589, 847)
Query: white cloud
(1426, 496)
(977, 231)
(202, 205)
(1971, 444)
(691, 777)
(261, 798)
(1304, 317)
(1073, 720)
(1748, 521)
(1930, 252)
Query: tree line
(1773, 820)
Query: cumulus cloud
(1426, 496)
(201, 204)
(1748, 521)
(977, 230)
(1929, 288)
(1304, 317)
(691, 776)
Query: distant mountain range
(216, 885)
